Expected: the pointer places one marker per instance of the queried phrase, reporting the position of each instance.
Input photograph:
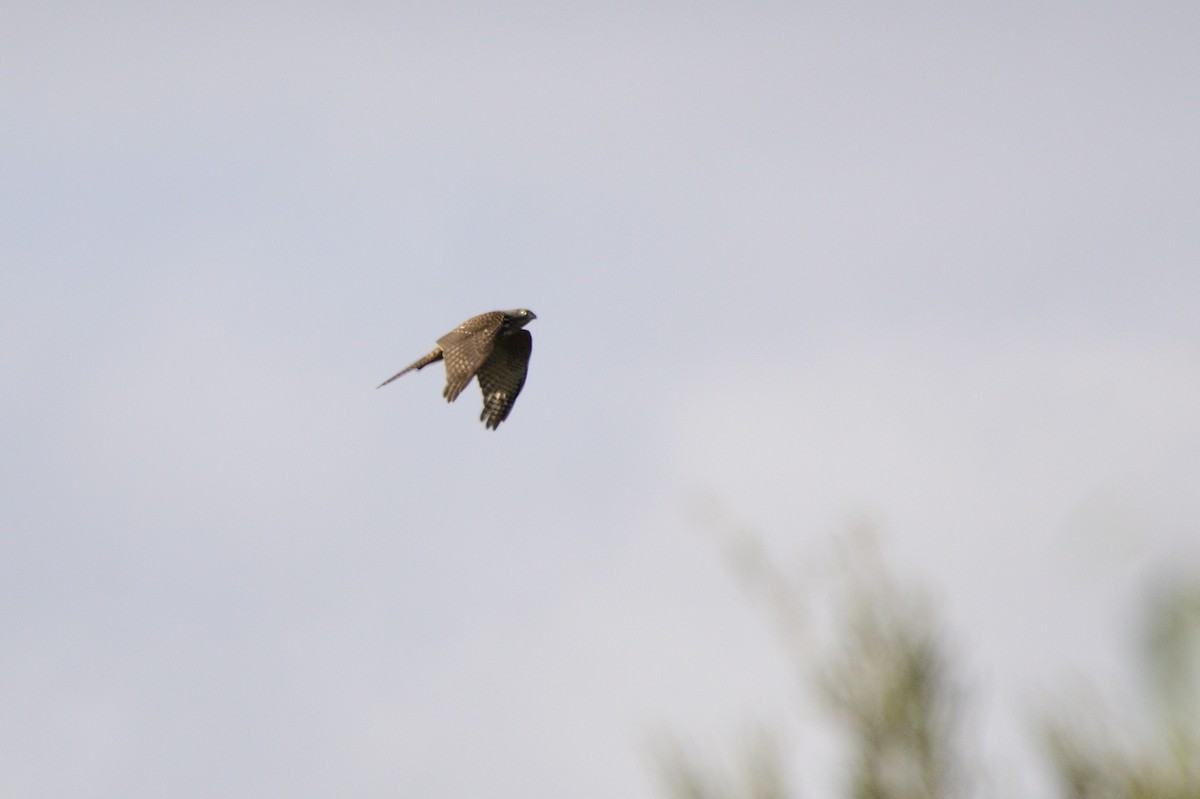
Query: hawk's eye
(524, 313)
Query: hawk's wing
(503, 374)
(466, 348)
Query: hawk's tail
(432, 357)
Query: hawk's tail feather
(432, 357)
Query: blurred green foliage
(889, 685)
(1097, 760)
(888, 681)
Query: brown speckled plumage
(493, 347)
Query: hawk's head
(517, 319)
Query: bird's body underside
(492, 347)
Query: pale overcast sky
(929, 265)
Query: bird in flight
(493, 347)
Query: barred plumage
(493, 347)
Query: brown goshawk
(493, 347)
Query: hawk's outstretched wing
(466, 348)
(502, 376)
